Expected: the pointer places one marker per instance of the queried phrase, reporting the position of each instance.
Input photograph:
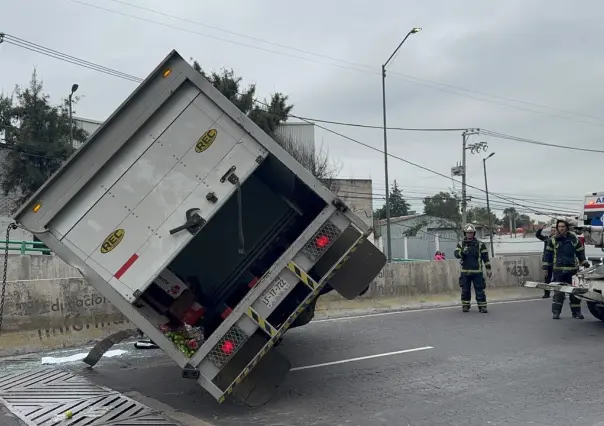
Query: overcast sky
(528, 68)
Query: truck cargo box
(202, 230)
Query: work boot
(546, 295)
(578, 315)
(556, 315)
(465, 308)
(483, 310)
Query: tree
(398, 205)
(36, 139)
(524, 221)
(510, 214)
(480, 215)
(268, 115)
(444, 205)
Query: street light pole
(74, 88)
(486, 190)
(387, 206)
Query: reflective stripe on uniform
(565, 268)
(472, 271)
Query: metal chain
(10, 227)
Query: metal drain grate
(42, 397)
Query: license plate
(272, 294)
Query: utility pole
(74, 88)
(474, 149)
(414, 30)
(486, 190)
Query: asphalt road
(513, 366)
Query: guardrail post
(23, 247)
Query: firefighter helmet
(469, 228)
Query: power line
(410, 162)
(24, 44)
(350, 64)
(367, 126)
(78, 61)
(484, 132)
(492, 134)
(96, 67)
(251, 46)
(496, 204)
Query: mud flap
(96, 353)
(263, 380)
(354, 276)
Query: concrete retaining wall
(48, 313)
(37, 267)
(55, 313)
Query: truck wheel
(595, 310)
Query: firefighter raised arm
(561, 253)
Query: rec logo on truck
(112, 241)
(206, 140)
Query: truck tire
(595, 310)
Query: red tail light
(322, 241)
(228, 347)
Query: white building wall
(87, 124)
(357, 194)
(299, 133)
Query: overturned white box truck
(204, 232)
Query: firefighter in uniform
(473, 255)
(562, 253)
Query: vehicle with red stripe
(203, 231)
(593, 209)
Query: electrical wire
(80, 62)
(484, 132)
(350, 64)
(95, 67)
(492, 134)
(496, 204)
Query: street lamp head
(415, 30)
(490, 155)
(74, 88)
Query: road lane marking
(361, 358)
(409, 311)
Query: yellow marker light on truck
(167, 72)
(37, 208)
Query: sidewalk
(333, 306)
